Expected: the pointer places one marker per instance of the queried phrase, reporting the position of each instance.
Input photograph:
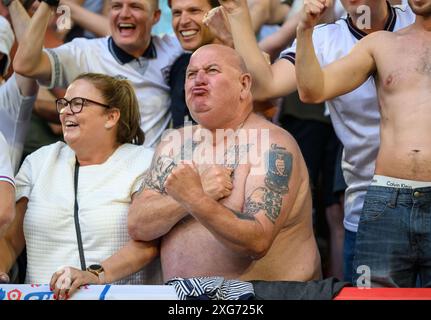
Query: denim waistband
(400, 195)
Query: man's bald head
(217, 77)
(227, 53)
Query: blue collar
(123, 57)
(389, 25)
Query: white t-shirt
(355, 115)
(148, 74)
(15, 114)
(46, 178)
(6, 173)
(337, 10)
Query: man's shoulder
(377, 38)
(167, 45)
(284, 139)
(276, 135)
(85, 43)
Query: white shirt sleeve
(67, 62)
(318, 43)
(6, 173)
(24, 178)
(13, 103)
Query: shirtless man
(258, 225)
(360, 137)
(393, 237)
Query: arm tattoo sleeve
(269, 198)
(156, 177)
(242, 216)
(162, 167)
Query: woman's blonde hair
(119, 93)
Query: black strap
(76, 217)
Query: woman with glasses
(73, 197)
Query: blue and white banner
(91, 292)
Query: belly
(190, 250)
(405, 160)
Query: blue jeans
(394, 237)
(348, 253)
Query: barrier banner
(90, 292)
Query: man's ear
(112, 118)
(156, 16)
(245, 81)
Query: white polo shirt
(355, 115)
(148, 74)
(6, 173)
(15, 114)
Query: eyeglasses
(76, 104)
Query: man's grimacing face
(214, 85)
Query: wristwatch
(52, 3)
(98, 271)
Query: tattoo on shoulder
(156, 177)
(269, 198)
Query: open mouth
(126, 28)
(188, 33)
(70, 124)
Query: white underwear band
(384, 181)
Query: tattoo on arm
(162, 167)
(270, 197)
(156, 177)
(243, 216)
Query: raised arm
(93, 22)
(269, 81)
(153, 212)
(30, 60)
(315, 84)
(249, 226)
(20, 21)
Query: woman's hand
(4, 277)
(67, 280)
